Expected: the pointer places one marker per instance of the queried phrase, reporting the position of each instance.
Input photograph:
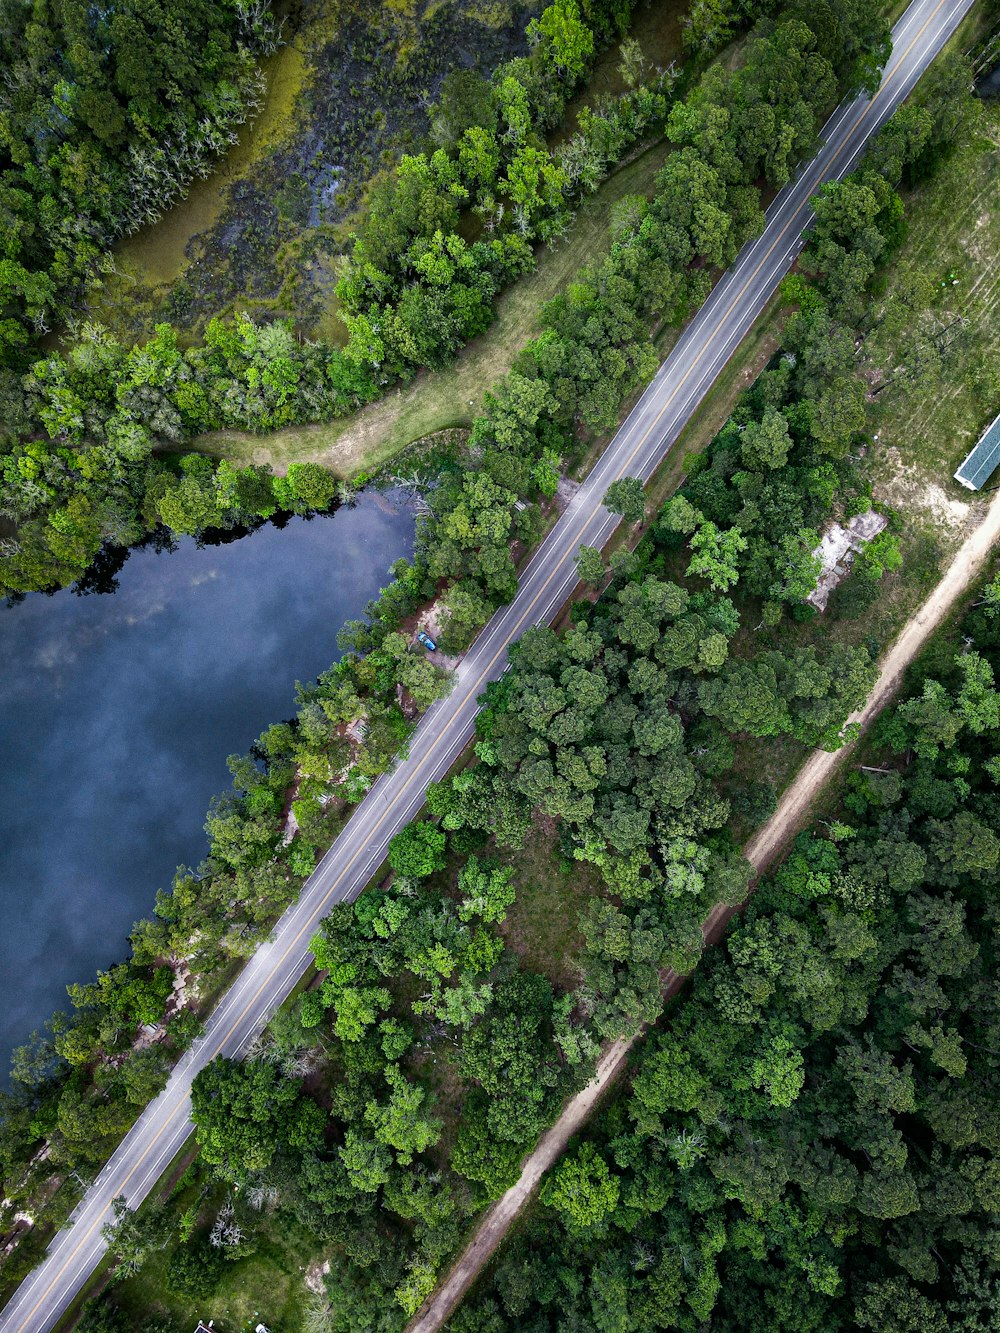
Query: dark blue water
(117, 714)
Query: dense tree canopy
(623, 730)
(241, 1113)
(415, 289)
(107, 114)
(811, 1142)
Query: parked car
(424, 638)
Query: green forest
(809, 1140)
(84, 426)
(805, 1141)
(106, 115)
(805, 1136)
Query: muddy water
(117, 713)
(264, 231)
(156, 256)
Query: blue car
(426, 640)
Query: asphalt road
(647, 435)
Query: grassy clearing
(541, 927)
(948, 384)
(266, 1287)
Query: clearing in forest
(942, 364)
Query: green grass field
(948, 361)
(542, 924)
(265, 1287)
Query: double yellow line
(484, 673)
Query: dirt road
(790, 816)
(965, 567)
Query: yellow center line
(435, 743)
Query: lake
(118, 712)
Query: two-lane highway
(650, 430)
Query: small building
(981, 462)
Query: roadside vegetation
(94, 1070)
(409, 1081)
(415, 290)
(377, 433)
(422, 1064)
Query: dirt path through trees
(794, 806)
(791, 814)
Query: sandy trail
(791, 815)
(965, 566)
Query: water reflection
(118, 713)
